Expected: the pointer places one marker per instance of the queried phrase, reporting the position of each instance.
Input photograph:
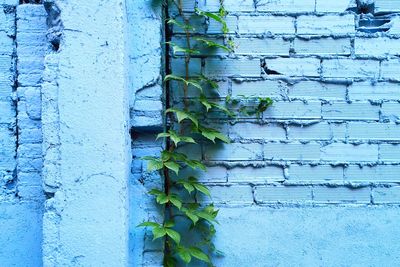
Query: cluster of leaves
(189, 225)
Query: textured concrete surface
(86, 216)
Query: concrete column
(86, 136)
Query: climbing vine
(189, 224)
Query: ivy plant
(189, 224)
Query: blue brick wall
(335, 89)
(22, 47)
(320, 166)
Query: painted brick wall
(22, 47)
(324, 159)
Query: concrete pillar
(86, 136)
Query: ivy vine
(189, 225)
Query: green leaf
(202, 189)
(158, 232)
(194, 218)
(215, 17)
(153, 163)
(213, 84)
(188, 187)
(195, 164)
(191, 82)
(209, 15)
(148, 224)
(169, 224)
(178, 49)
(199, 254)
(223, 109)
(173, 166)
(222, 137)
(174, 235)
(169, 261)
(166, 155)
(162, 199)
(182, 115)
(155, 192)
(175, 201)
(181, 25)
(162, 135)
(188, 139)
(212, 134)
(184, 255)
(210, 43)
(176, 138)
(204, 101)
(206, 216)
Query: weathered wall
(309, 182)
(86, 135)
(145, 35)
(312, 183)
(23, 44)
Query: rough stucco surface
(86, 221)
(313, 183)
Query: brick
(377, 47)
(374, 174)
(266, 24)
(7, 112)
(336, 6)
(389, 153)
(6, 44)
(262, 46)
(295, 66)
(31, 18)
(215, 27)
(317, 90)
(293, 110)
(30, 136)
(197, 22)
(178, 92)
(238, 5)
(256, 175)
(287, 6)
(9, 2)
(347, 68)
(260, 88)
(7, 22)
(386, 194)
(233, 152)
(231, 67)
(319, 173)
(282, 194)
(323, 46)
(390, 111)
(257, 131)
(390, 69)
(214, 174)
(291, 151)
(232, 194)
(30, 151)
(326, 25)
(374, 131)
(386, 6)
(353, 111)
(376, 91)
(349, 153)
(318, 131)
(342, 194)
(178, 66)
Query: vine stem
(171, 147)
